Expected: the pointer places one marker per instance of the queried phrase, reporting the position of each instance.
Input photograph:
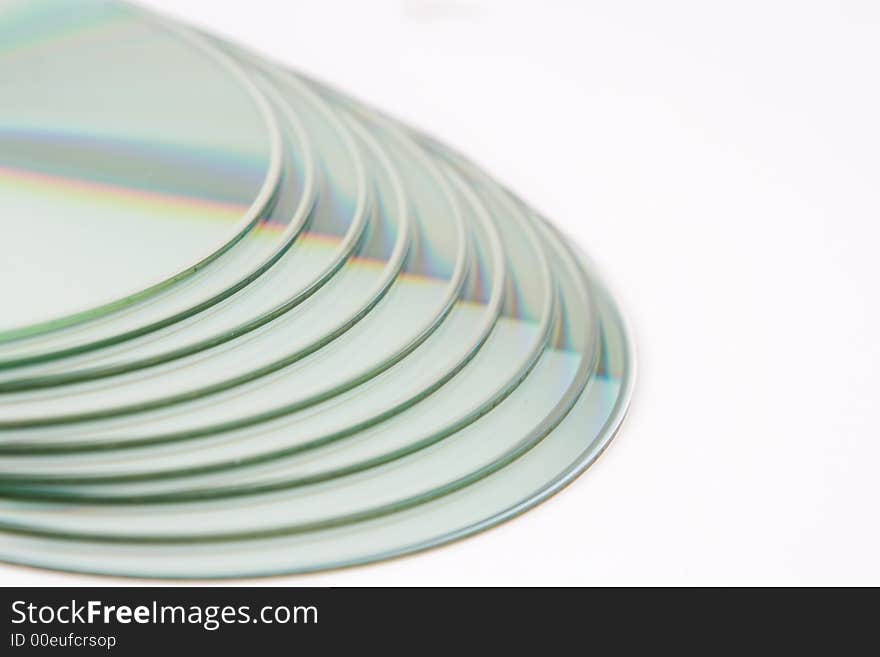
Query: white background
(721, 162)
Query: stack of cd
(250, 326)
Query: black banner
(231, 620)
(146, 620)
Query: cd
(470, 388)
(22, 361)
(387, 352)
(336, 224)
(434, 275)
(119, 194)
(477, 355)
(339, 238)
(278, 533)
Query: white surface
(721, 163)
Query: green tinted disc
(57, 356)
(414, 355)
(509, 460)
(378, 307)
(122, 174)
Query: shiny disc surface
(119, 175)
(385, 351)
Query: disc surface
(394, 353)
(258, 537)
(380, 314)
(118, 174)
(34, 362)
(318, 237)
